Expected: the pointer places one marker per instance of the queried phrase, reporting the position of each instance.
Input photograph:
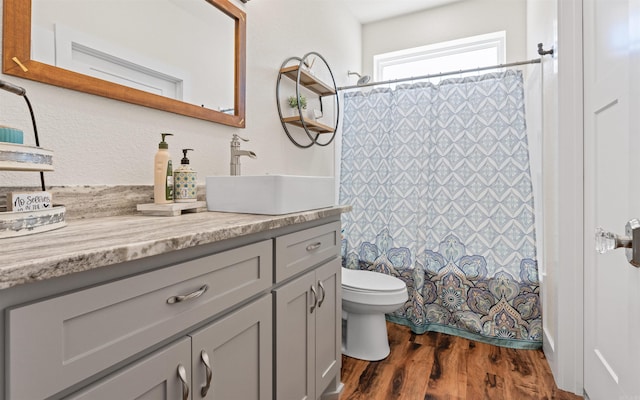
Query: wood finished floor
(436, 366)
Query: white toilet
(366, 297)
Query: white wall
(557, 24)
(542, 17)
(449, 22)
(570, 277)
(98, 141)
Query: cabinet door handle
(322, 292)
(207, 366)
(182, 375)
(314, 246)
(315, 299)
(190, 296)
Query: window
(467, 53)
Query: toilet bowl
(366, 297)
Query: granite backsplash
(95, 201)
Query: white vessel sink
(269, 194)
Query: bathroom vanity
(201, 306)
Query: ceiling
(374, 10)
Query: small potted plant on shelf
(293, 103)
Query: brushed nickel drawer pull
(190, 296)
(207, 365)
(314, 246)
(182, 374)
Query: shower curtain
(438, 177)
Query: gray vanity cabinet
(67, 339)
(257, 317)
(227, 359)
(308, 314)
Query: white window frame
(473, 43)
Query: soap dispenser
(185, 181)
(163, 174)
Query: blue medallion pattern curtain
(439, 180)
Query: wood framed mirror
(18, 60)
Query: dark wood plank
(448, 378)
(413, 366)
(485, 380)
(437, 366)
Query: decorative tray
(171, 209)
(18, 157)
(20, 223)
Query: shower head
(362, 79)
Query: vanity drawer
(56, 343)
(301, 250)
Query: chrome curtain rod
(462, 71)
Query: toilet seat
(370, 281)
(372, 288)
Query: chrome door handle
(190, 296)
(182, 375)
(607, 241)
(207, 366)
(315, 299)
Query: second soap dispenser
(163, 174)
(185, 181)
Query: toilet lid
(362, 280)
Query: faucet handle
(236, 137)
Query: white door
(612, 197)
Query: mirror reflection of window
(185, 51)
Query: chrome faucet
(236, 153)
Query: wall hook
(544, 52)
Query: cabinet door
(238, 349)
(328, 317)
(295, 338)
(154, 377)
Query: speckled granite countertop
(96, 242)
